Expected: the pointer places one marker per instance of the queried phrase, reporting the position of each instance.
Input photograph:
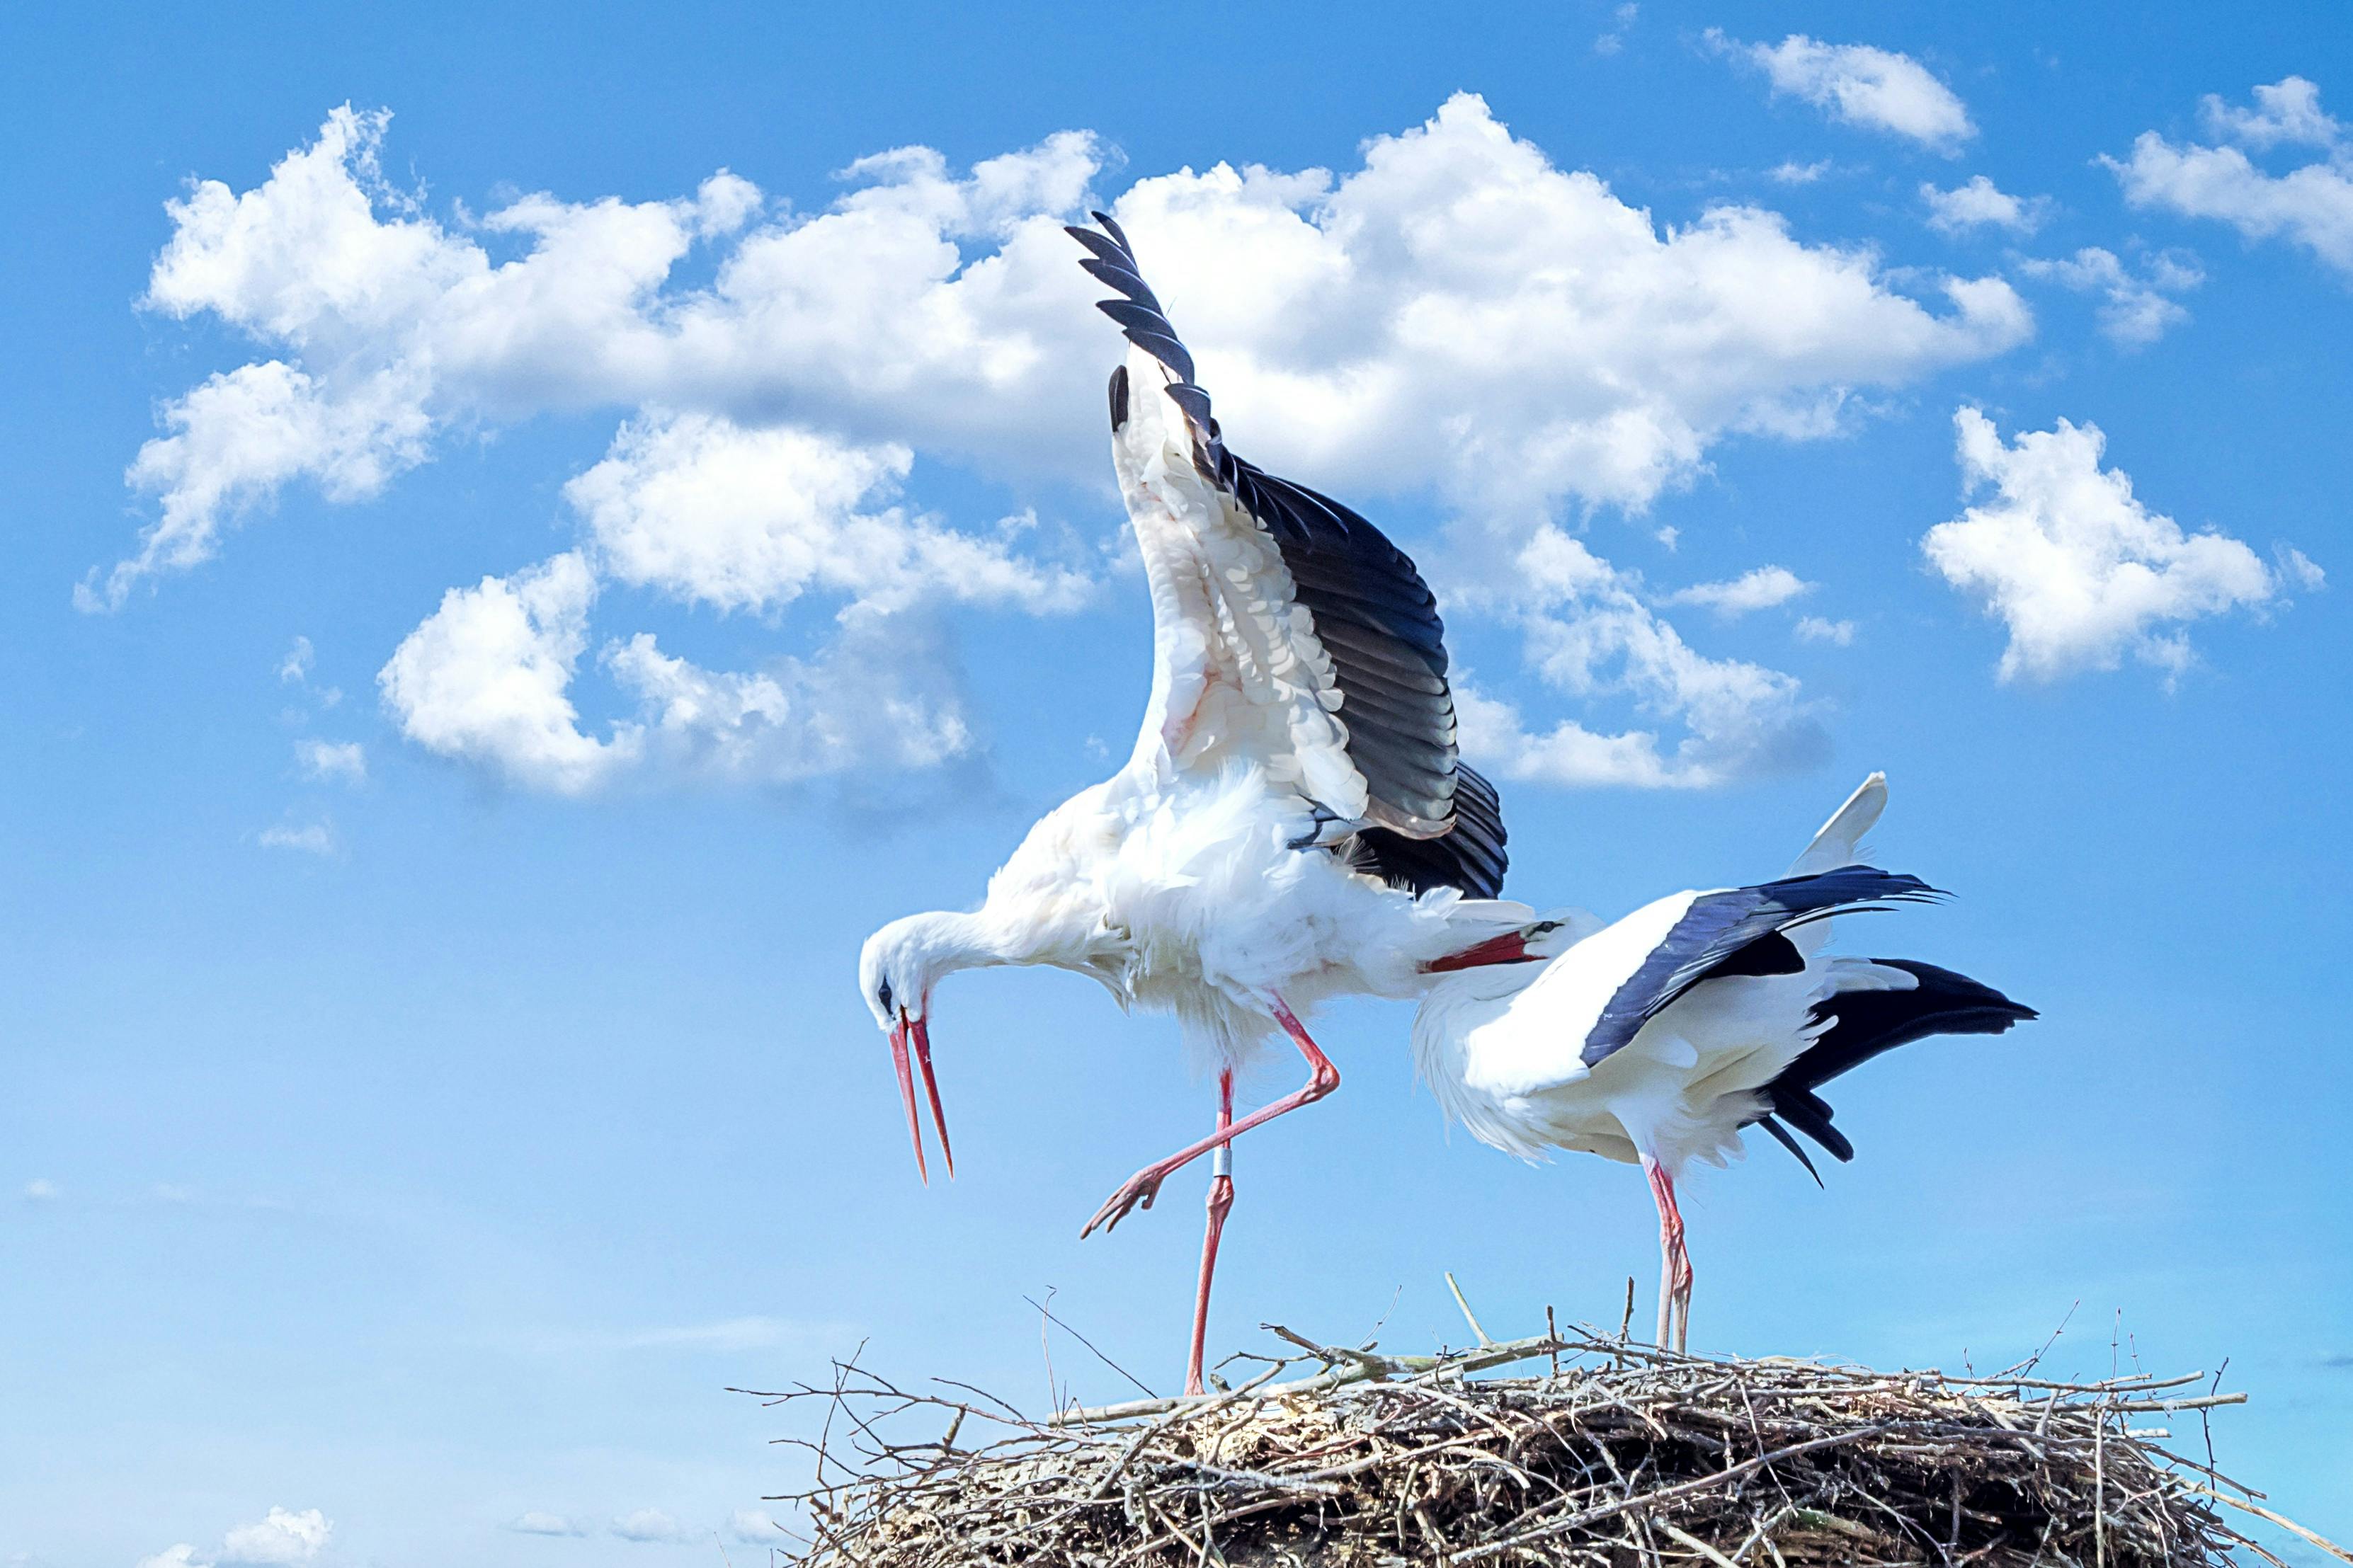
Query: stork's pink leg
(1674, 1260)
(1141, 1188)
(1221, 1200)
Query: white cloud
(307, 837)
(2287, 111)
(1355, 326)
(751, 518)
(1979, 204)
(538, 1521)
(1614, 40)
(2311, 205)
(1456, 316)
(1759, 589)
(1816, 629)
(485, 679)
(1590, 636)
(753, 1528)
(1790, 172)
(653, 1525)
(1878, 89)
(345, 761)
(294, 670)
(2295, 564)
(2136, 308)
(282, 1539)
(41, 1190)
(2081, 572)
(238, 438)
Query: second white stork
(1293, 822)
(1655, 1039)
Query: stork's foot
(1137, 1192)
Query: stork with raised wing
(1293, 824)
(1655, 1039)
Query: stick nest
(1615, 1455)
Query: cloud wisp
(1874, 89)
(2136, 307)
(1590, 635)
(1759, 589)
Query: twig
(2281, 1519)
(1090, 1345)
(1459, 1301)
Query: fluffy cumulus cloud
(1590, 636)
(284, 1539)
(2310, 206)
(1980, 203)
(2137, 305)
(487, 679)
(1878, 89)
(2082, 573)
(1458, 282)
(1456, 316)
(710, 511)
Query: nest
(1615, 1454)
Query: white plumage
(1656, 1038)
(1295, 764)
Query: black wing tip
(1781, 1136)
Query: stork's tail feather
(1863, 1025)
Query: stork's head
(896, 972)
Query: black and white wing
(1595, 998)
(1288, 630)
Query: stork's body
(1293, 822)
(1654, 1040)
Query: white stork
(1654, 1040)
(1293, 822)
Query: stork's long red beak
(1510, 948)
(913, 1028)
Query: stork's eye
(883, 997)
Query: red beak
(1510, 948)
(913, 1028)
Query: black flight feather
(1865, 1023)
(1373, 612)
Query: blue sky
(449, 765)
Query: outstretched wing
(1288, 630)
